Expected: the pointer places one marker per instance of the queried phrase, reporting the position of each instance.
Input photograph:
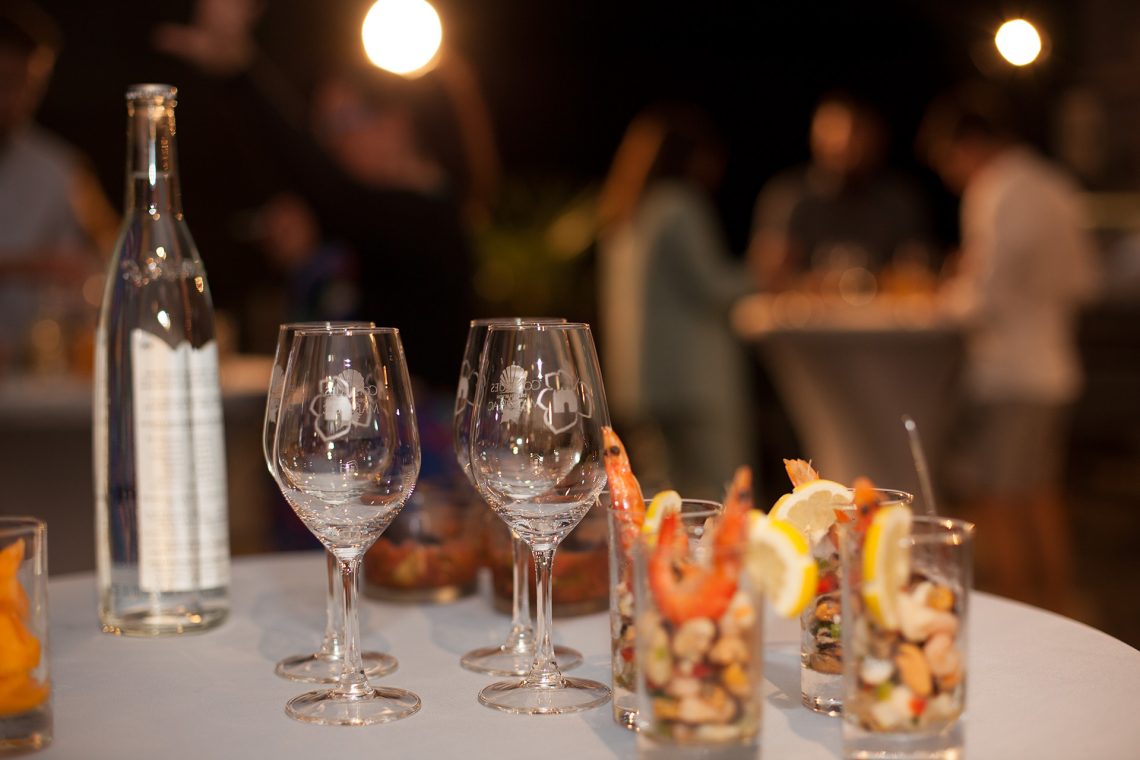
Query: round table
(1042, 686)
(847, 374)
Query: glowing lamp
(1018, 42)
(402, 36)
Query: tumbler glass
(904, 673)
(699, 649)
(821, 643)
(25, 686)
(623, 534)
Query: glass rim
(323, 325)
(939, 530)
(515, 321)
(898, 496)
(350, 331)
(712, 509)
(17, 524)
(540, 327)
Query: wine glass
(515, 655)
(324, 665)
(347, 454)
(536, 456)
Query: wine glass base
(328, 707)
(323, 668)
(506, 661)
(525, 698)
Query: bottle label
(181, 468)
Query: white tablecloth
(1041, 686)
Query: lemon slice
(886, 564)
(662, 504)
(811, 507)
(780, 564)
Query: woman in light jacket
(676, 375)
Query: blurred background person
(380, 169)
(842, 210)
(400, 214)
(676, 376)
(389, 176)
(321, 276)
(1027, 267)
(54, 218)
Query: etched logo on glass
(563, 401)
(510, 389)
(344, 404)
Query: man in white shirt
(1027, 267)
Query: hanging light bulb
(1018, 41)
(402, 36)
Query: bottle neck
(152, 164)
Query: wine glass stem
(331, 646)
(522, 633)
(352, 678)
(544, 671)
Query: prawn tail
(737, 503)
(625, 491)
(866, 500)
(800, 472)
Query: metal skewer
(929, 505)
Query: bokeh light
(1018, 42)
(402, 36)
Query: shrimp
(866, 500)
(625, 492)
(800, 472)
(684, 589)
(737, 503)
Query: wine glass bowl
(346, 454)
(536, 458)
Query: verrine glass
(516, 654)
(536, 457)
(623, 535)
(25, 681)
(821, 623)
(700, 626)
(906, 636)
(347, 455)
(324, 665)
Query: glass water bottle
(162, 543)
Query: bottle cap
(151, 91)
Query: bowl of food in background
(581, 574)
(430, 552)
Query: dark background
(564, 77)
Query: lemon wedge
(811, 507)
(780, 564)
(886, 564)
(662, 504)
